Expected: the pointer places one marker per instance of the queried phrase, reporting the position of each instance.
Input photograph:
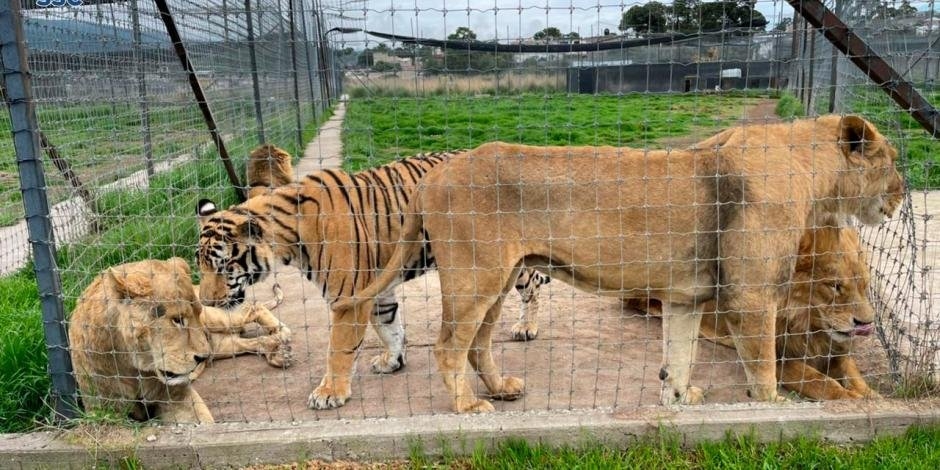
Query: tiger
(339, 228)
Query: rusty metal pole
(201, 100)
(878, 70)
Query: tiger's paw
(326, 397)
(524, 331)
(512, 389)
(385, 364)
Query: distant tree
(647, 18)
(683, 15)
(548, 34)
(713, 16)
(465, 61)
(463, 33)
(571, 37)
(887, 10)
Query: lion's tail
(409, 247)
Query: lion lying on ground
(139, 337)
(824, 309)
(721, 220)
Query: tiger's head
(232, 254)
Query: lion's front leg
(680, 340)
(188, 407)
(346, 335)
(800, 377)
(845, 368)
(275, 348)
(753, 332)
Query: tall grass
(23, 378)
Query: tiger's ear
(205, 208)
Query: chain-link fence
(137, 131)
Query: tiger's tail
(409, 247)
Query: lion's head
(268, 167)
(142, 317)
(831, 283)
(870, 186)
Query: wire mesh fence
(130, 155)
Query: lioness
(824, 309)
(268, 168)
(137, 342)
(719, 220)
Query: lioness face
(158, 300)
(835, 287)
(873, 174)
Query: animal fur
(721, 220)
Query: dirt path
(590, 353)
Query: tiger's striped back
(337, 227)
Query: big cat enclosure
(658, 161)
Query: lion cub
(825, 308)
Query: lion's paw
(384, 364)
(512, 389)
(282, 356)
(283, 333)
(524, 331)
(476, 406)
(691, 396)
(325, 397)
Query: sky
(492, 19)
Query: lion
(139, 337)
(268, 167)
(824, 309)
(719, 220)
(137, 342)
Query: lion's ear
(856, 134)
(131, 283)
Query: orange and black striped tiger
(339, 229)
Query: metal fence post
(32, 184)
(253, 59)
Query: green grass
(915, 449)
(23, 377)
(132, 225)
(789, 107)
(918, 150)
(383, 128)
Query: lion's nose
(200, 358)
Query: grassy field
(379, 129)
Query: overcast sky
(493, 19)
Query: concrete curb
(238, 444)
